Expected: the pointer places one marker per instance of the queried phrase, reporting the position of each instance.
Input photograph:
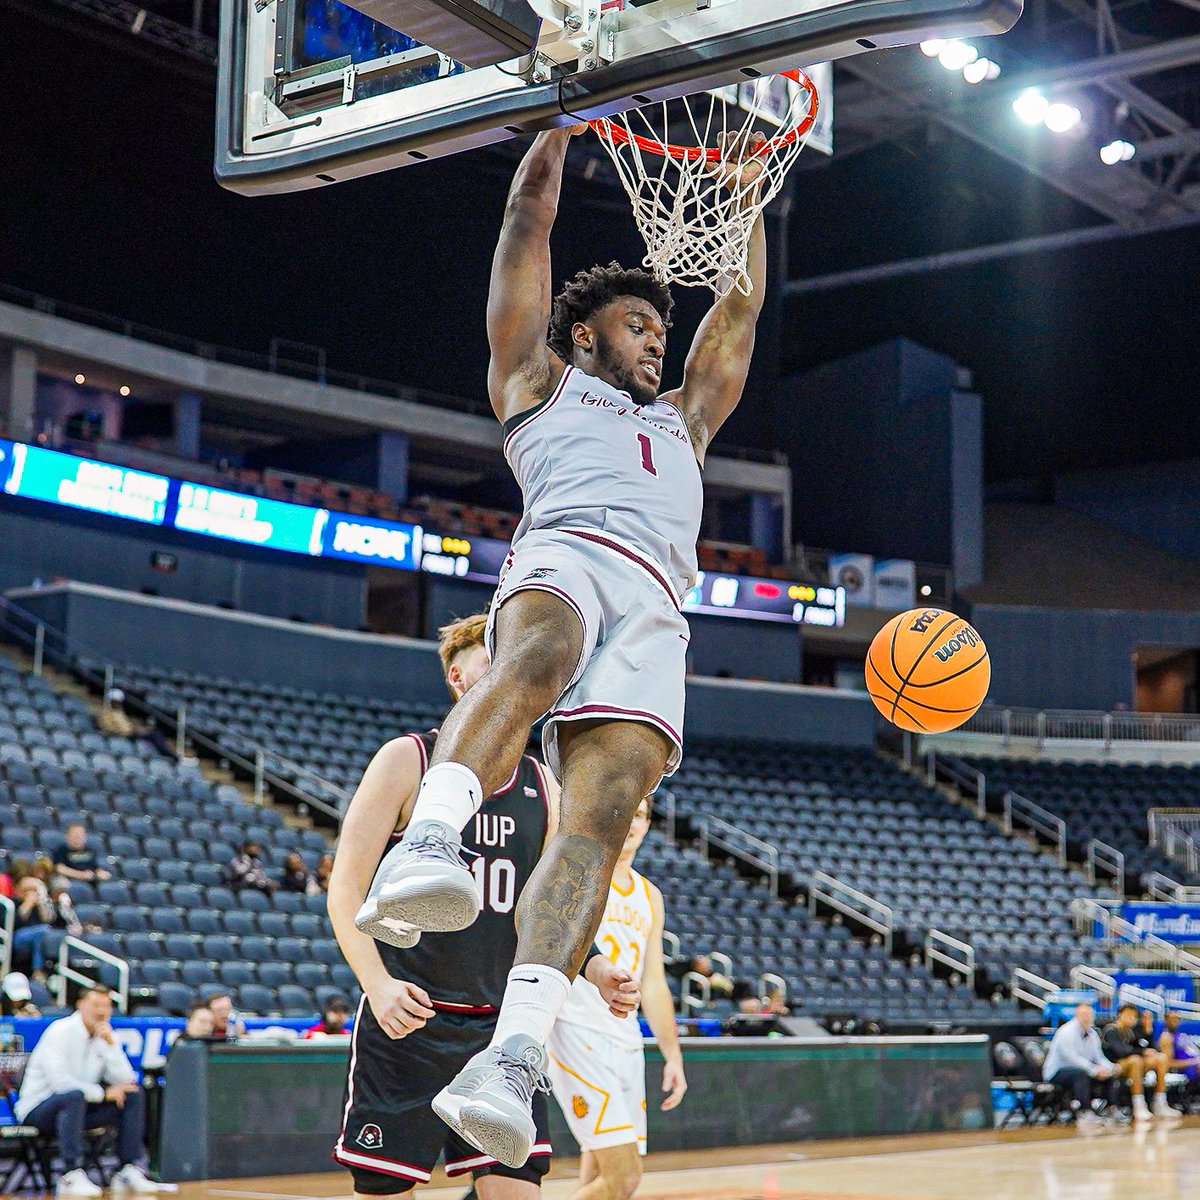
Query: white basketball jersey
(623, 937)
(589, 458)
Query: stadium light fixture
(1062, 117)
(81, 378)
(125, 389)
(1117, 151)
(926, 590)
(933, 47)
(955, 55)
(1031, 106)
(981, 69)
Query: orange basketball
(927, 671)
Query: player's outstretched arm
(523, 369)
(718, 362)
(382, 802)
(659, 1009)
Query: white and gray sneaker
(1164, 1111)
(490, 1102)
(131, 1180)
(76, 1183)
(422, 884)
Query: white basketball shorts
(600, 1085)
(635, 639)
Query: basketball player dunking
(585, 625)
(597, 1063)
(427, 1008)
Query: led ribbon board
(69, 481)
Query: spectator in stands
(324, 871)
(227, 1025)
(1121, 1046)
(297, 877)
(1181, 1050)
(16, 997)
(719, 985)
(34, 918)
(1076, 1060)
(773, 1002)
(247, 870)
(65, 916)
(334, 1018)
(113, 718)
(73, 859)
(79, 1078)
(201, 1024)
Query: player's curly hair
(591, 290)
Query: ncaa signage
(1171, 922)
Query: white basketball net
(695, 215)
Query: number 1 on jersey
(647, 454)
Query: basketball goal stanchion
(696, 201)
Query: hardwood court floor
(1039, 1164)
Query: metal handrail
(68, 974)
(1155, 951)
(664, 798)
(1103, 984)
(1102, 728)
(939, 947)
(40, 637)
(671, 946)
(777, 981)
(720, 959)
(1163, 887)
(1039, 820)
(8, 924)
(1174, 832)
(686, 999)
(1022, 981)
(1100, 855)
(941, 769)
(841, 896)
(716, 832)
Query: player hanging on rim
(597, 1064)
(586, 623)
(439, 993)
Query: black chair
(22, 1146)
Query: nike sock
(450, 793)
(532, 1001)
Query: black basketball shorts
(391, 1139)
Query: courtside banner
(1174, 987)
(146, 1040)
(1171, 922)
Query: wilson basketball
(927, 671)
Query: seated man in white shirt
(1076, 1059)
(78, 1078)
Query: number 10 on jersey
(496, 882)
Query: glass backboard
(312, 92)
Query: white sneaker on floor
(1142, 1113)
(131, 1180)
(1165, 1112)
(76, 1183)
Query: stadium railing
(263, 766)
(742, 845)
(950, 952)
(850, 902)
(1102, 728)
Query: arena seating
(870, 825)
(1108, 801)
(334, 736)
(169, 833)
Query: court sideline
(1040, 1164)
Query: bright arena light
(932, 48)
(124, 389)
(81, 379)
(955, 55)
(1117, 152)
(981, 69)
(1061, 117)
(1031, 106)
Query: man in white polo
(1075, 1060)
(78, 1078)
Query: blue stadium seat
(240, 923)
(237, 974)
(152, 895)
(310, 974)
(167, 920)
(293, 950)
(181, 945)
(296, 1001)
(275, 924)
(208, 875)
(254, 998)
(114, 891)
(310, 925)
(253, 901)
(176, 998)
(289, 902)
(155, 972)
(258, 949)
(129, 918)
(325, 950)
(168, 871)
(219, 947)
(198, 974)
(343, 977)
(221, 897)
(274, 974)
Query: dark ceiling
(1084, 357)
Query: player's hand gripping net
(696, 204)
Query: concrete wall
(1073, 658)
(151, 631)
